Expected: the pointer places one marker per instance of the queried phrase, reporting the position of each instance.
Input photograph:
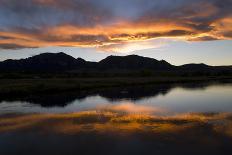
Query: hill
(63, 63)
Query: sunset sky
(179, 31)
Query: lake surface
(161, 99)
(160, 119)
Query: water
(161, 99)
(160, 119)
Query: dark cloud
(13, 46)
(88, 39)
(99, 22)
(228, 34)
(150, 35)
(205, 38)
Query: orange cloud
(102, 37)
(90, 24)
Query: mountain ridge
(57, 62)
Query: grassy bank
(56, 85)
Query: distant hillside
(64, 62)
(133, 62)
(61, 62)
(43, 62)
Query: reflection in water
(131, 108)
(111, 94)
(169, 99)
(113, 120)
(170, 119)
(115, 132)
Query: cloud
(109, 23)
(13, 46)
(204, 38)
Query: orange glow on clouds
(101, 29)
(112, 121)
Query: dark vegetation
(26, 87)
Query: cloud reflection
(131, 108)
(115, 121)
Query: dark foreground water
(159, 119)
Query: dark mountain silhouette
(43, 62)
(133, 62)
(195, 67)
(61, 62)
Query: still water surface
(160, 100)
(162, 119)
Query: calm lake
(160, 119)
(161, 99)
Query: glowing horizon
(112, 26)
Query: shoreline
(24, 87)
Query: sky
(178, 31)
